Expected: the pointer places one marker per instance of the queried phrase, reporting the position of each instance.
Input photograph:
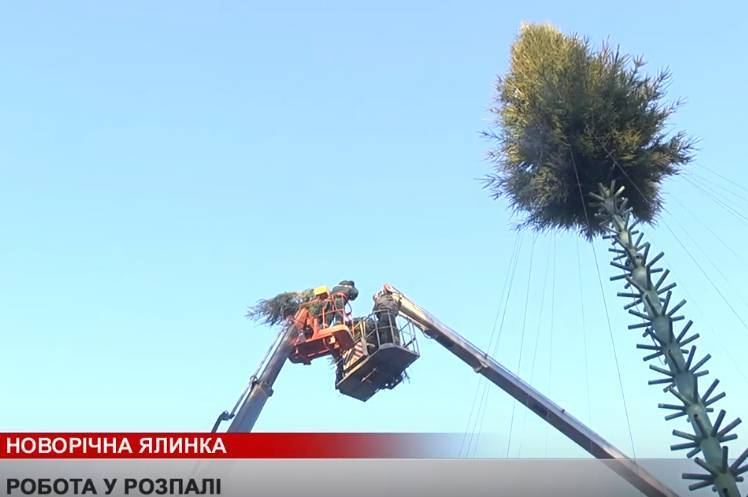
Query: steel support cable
(707, 257)
(731, 181)
(480, 387)
(584, 334)
(706, 227)
(541, 312)
(736, 364)
(484, 399)
(704, 273)
(479, 383)
(716, 199)
(605, 304)
(615, 352)
(505, 295)
(708, 278)
(482, 407)
(522, 340)
(714, 184)
(495, 349)
(550, 333)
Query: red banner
(223, 446)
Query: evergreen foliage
(571, 118)
(279, 308)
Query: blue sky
(166, 164)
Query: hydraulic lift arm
(253, 399)
(527, 395)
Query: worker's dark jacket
(386, 309)
(350, 292)
(341, 295)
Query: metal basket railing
(374, 331)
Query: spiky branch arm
(652, 303)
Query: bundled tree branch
(279, 308)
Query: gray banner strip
(336, 478)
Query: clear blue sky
(166, 164)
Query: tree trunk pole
(652, 303)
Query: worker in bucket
(340, 295)
(385, 310)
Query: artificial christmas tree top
(571, 118)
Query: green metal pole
(652, 303)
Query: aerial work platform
(383, 351)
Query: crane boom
(261, 386)
(252, 401)
(527, 395)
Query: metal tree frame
(652, 303)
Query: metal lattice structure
(652, 303)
